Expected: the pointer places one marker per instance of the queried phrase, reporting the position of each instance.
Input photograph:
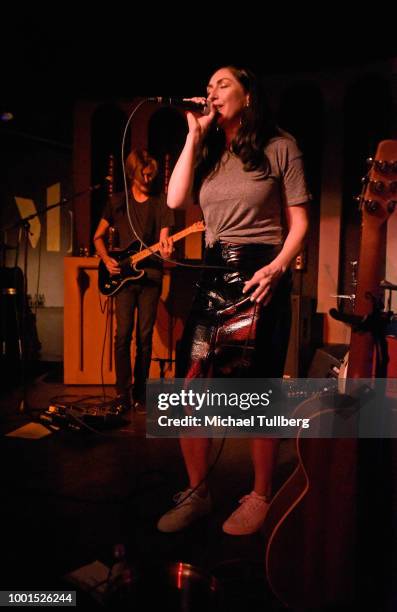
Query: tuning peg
(391, 206)
(382, 166)
(371, 205)
(377, 186)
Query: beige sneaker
(249, 517)
(190, 506)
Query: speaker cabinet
(327, 361)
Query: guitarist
(151, 220)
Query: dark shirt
(148, 218)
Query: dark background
(52, 57)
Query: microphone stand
(25, 224)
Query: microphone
(183, 103)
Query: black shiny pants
(227, 335)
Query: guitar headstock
(379, 198)
(198, 226)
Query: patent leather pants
(227, 335)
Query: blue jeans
(143, 297)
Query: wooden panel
(85, 325)
(194, 242)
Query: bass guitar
(110, 284)
(315, 550)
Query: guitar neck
(377, 203)
(369, 278)
(156, 247)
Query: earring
(246, 105)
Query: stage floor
(68, 498)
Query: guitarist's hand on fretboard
(166, 247)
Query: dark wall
(368, 119)
(301, 112)
(37, 154)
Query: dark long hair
(258, 126)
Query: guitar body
(108, 284)
(310, 525)
(328, 521)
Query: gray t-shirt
(244, 207)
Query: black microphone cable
(132, 226)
